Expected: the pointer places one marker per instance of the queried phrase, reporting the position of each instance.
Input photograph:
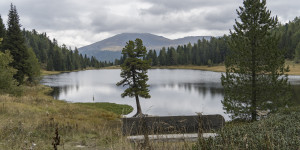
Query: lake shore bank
(46, 72)
(294, 68)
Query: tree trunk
(138, 107)
(253, 102)
(253, 110)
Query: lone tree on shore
(134, 72)
(255, 76)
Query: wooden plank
(170, 137)
(172, 124)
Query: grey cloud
(158, 16)
(165, 6)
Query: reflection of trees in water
(62, 89)
(201, 88)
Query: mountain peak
(109, 49)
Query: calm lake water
(173, 92)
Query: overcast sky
(82, 22)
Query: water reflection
(173, 92)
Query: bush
(278, 131)
(7, 82)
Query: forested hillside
(213, 51)
(58, 58)
(204, 52)
(290, 39)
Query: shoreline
(294, 68)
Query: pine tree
(297, 54)
(255, 71)
(134, 72)
(154, 59)
(2, 28)
(162, 57)
(2, 32)
(14, 42)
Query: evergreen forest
(213, 51)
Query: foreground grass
(30, 122)
(278, 131)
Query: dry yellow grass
(31, 120)
(294, 68)
(45, 72)
(112, 67)
(218, 68)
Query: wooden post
(145, 132)
(200, 127)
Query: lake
(173, 92)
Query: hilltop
(109, 49)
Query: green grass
(115, 108)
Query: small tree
(134, 72)
(33, 67)
(7, 83)
(255, 76)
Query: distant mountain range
(110, 49)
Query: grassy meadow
(30, 121)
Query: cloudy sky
(82, 22)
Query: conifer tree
(255, 76)
(14, 42)
(2, 28)
(134, 72)
(2, 32)
(154, 59)
(297, 54)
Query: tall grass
(30, 121)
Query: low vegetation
(115, 108)
(277, 131)
(30, 121)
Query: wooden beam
(172, 124)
